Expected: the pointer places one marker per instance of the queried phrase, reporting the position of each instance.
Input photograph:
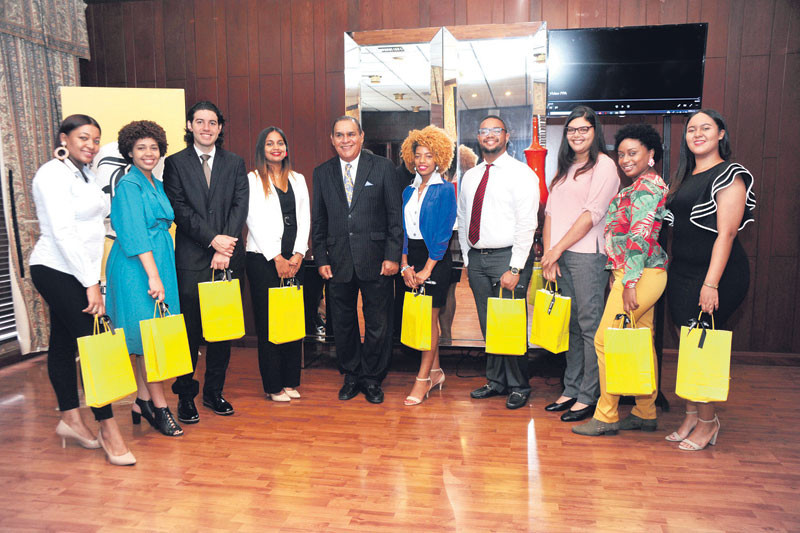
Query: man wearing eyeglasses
(497, 208)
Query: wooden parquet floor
(451, 464)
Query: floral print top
(633, 223)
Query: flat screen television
(632, 70)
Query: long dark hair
(188, 136)
(262, 167)
(74, 121)
(566, 155)
(686, 162)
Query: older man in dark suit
(357, 239)
(208, 189)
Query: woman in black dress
(429, 212)
(711, 199)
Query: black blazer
(360, 237)
(202, 212)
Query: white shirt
(510, 208)
(414, 205)
(353, 169)
(71, 214)
(265, 218)
(211, 155)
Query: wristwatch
(514, 270)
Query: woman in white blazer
(278, 225)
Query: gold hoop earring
(61, 153)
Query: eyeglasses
(485, 131)
(583, 130)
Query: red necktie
(477, 207)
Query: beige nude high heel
(412, 400)
(690, 446)
(675, 436)
(126, 459)
(439, 382)
(65, 431)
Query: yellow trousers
(648, 290)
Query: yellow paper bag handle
(161, 310)
(500, 293)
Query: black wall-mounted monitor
(633, 70)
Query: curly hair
(140, 129)
(645, 134)
(434, 139)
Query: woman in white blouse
(278, 225)
(65, 268)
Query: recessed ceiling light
(474, 95)
(508, 93)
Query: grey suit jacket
(359, 237)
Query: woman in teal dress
(141, 265)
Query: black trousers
(66, 297)
(365, 363)
(279, 364)
(218, 354)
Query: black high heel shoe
(147, 411)
(166, 424)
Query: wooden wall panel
(516, 11)
(280, 62)
(401, 15)
(269, 37)
(143, 44)
(205, 39)
(237, 38)
(302, 28)
(441, 13)
(632, 12)
(237, 116)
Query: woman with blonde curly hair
(429, 212)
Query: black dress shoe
(374, 393)
(517, 399)
(563, 406)
(187, 412)
(348, 391)
(484, 392)
(580, 414)
(218, 404)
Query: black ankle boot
(166, 424)
(147, 411)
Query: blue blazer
(436, 218)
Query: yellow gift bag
(506, 325)
(550, 324)
(221, 309)
(286, 316)
(417, 320)
(105, 365)
(629, 360)
(165, 345)
(704, 363)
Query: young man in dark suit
(357, 239)
(208, 189)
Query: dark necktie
(206, 168)
(477, 207)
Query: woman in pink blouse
(574, 256)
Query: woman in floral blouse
(638, 265)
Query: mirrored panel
(502, 71)
(388, 84)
